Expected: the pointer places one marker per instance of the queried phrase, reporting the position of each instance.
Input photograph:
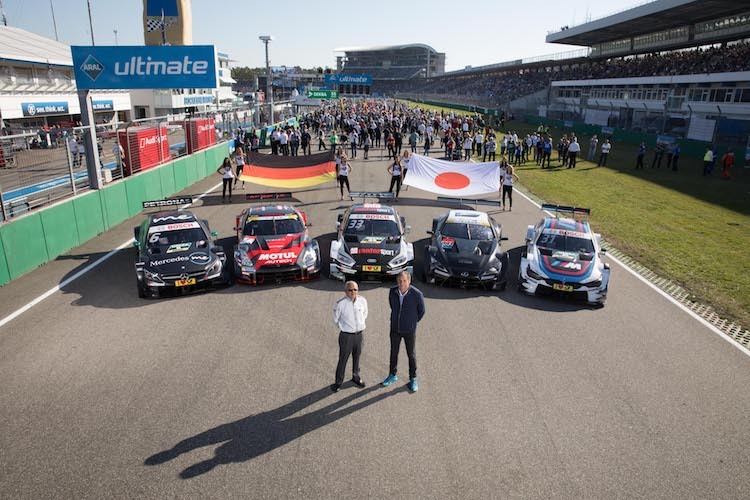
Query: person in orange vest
(726, 163)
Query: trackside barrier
(41, 236)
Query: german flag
(289, 171)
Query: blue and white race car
(564, 256)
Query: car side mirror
(341, 217)
(504, 238)
(603, 250)
(430, 232)
(137, 233)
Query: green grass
(688, 228)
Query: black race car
(370, 244)
(175, 251)
(465, 251)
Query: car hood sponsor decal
(277, 250)
(567, 266)
(372, 240)
(179, 247)
(195, 261)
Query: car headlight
(309, 256)
(398, 261)
(214, 269)
(531, 274)
(153, 277)
(594, 284)
(344, 258)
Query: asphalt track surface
(225, 394)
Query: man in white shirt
(349, 315)
(573, 149)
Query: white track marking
(83, 271)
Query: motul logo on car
(277, 256)
(147, 141)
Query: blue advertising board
(44, 108)
(142, 67)
(199, 99)
(104, 105)
(348, 79)
(154, 8)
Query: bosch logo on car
(199, 258)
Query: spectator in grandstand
(593, 143)
(606, 148)
(639, 156)
(573, 149)
(727, 161)
(659, 151)
(708, 158)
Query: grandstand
(391, 62)
(679, 67)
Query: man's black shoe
(359, 383)
(335, 388)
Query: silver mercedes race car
(563, 256)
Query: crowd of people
(503, 87)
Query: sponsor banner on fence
(44, 108)
(145, 67)
(608, 130)
(348, 79)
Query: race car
(371, 244)
(176, 252)
(273, 246)
(465, 251)
(564, 256)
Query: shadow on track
(256, 435)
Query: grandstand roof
(649, 18)
(21, 45)
(375, 48)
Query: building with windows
(391, 62)
(37, 86)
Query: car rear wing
(168, 202)
(371, 194)
(470, 201)
(556, 209)
(268, 196)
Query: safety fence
(41, 168)
(40, 236)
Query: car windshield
(371, 227)
(562, 243)
(266, 226)
(164, 238)
(467, 231)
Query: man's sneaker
(335, 387)
(413, 386)
(391, 379)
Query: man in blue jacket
(407, 308)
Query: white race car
(563, 256)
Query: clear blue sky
(306, 32)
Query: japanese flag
(453, 178)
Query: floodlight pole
(91, 23)
(269, 86)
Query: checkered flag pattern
(153, 24)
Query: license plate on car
(371, 269)
(562, 288)
(189, 281)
